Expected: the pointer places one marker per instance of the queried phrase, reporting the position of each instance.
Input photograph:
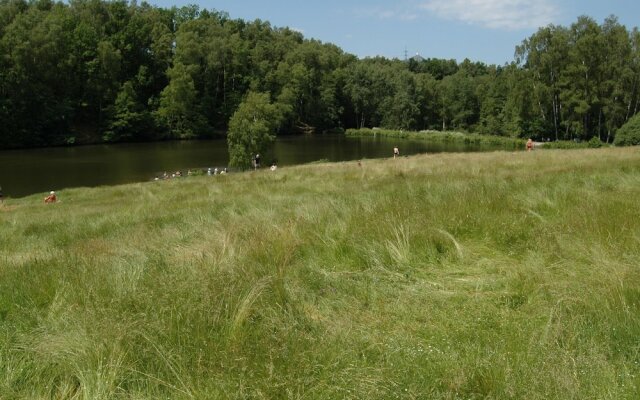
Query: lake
(25, 172)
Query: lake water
(25, 172)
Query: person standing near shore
(396, 152)
(256, 161)
(529, 144)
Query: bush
(595, 142)
(566, 144)
(629, 133)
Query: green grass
(569, 144)
(450, 276)
(444, 137)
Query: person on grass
(51, 198)
(529, 144)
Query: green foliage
(595, 142)
(180, 107)
(566, 144)
(629, 133)
(130, 119)
(252, 129)
(189, 70)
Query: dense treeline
(94, 70)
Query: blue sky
(481, 30)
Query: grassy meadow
(504, 275)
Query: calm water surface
(25, 172)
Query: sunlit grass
(494, 275)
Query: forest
(89, 71)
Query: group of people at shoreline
(209, 171)
(178, 174)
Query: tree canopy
(86, 71)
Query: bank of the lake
(484, 275)
(442, 137)
(28, 171)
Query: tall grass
(493, 275)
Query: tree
(130, 121)
(367, 87)
(584, 75)
(104, 76)
(400, 110)
(629, 134)
(545, 56)
(492, 93)
(179, 107)
(521, 110)
(619, 79)
(252, 129)
(459, 102)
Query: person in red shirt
(529, 144)
(51, 198)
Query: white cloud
(496, 14)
